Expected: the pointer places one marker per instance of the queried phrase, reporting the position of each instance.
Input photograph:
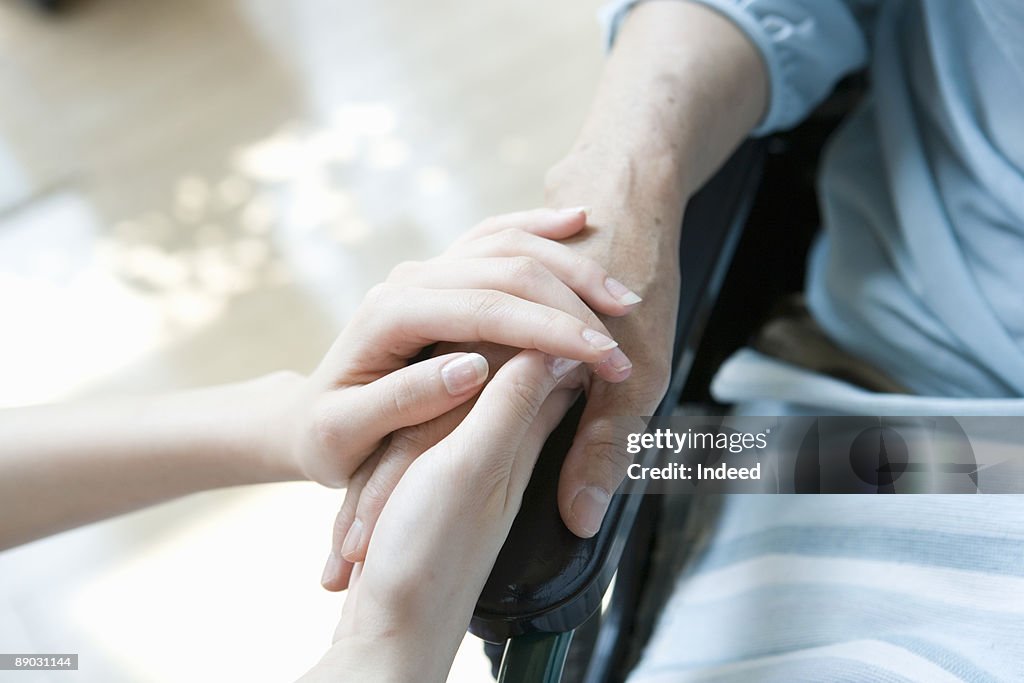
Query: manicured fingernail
(351, 542)
(623, 294)
(618, 361)
(576, 209)
(598, 340)
(464, 373)
(331, 569)
(588, 508)
(560, 367)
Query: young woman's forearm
(67, 465)
(63, 466)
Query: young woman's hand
(507, 281)
(410, 603)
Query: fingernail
(331, 569)
(575, 210)
(618, 361)
(623, 294)
(352, 539)
(588, 508)
(598, 340)
(560, 367)
(464, 373)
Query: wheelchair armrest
(545, 579)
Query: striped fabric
(849, 588)
(919, 273)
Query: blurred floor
(200, 191)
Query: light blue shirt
(920, 265)
(919, 269)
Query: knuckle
(400, 398)
(525, 398)
(586, 267)
(382, 483)
(403, 271)
(512, 238)
(328, 440)
(645, 391)
(379, 293)
(490, 485)
(557, 320)
(346, 514)
(374, 495)
(483, 480)
(652, 369)
(486, 305)
(409, 442)
(525, 268)
(606, 458)
(326, 424)
(487, 225)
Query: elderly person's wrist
(648, 185)
(634, 217)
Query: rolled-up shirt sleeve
(806, 45)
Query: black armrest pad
(545, 578)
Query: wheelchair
(745, 236)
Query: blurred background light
(201, 191)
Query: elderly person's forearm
(681, 88)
